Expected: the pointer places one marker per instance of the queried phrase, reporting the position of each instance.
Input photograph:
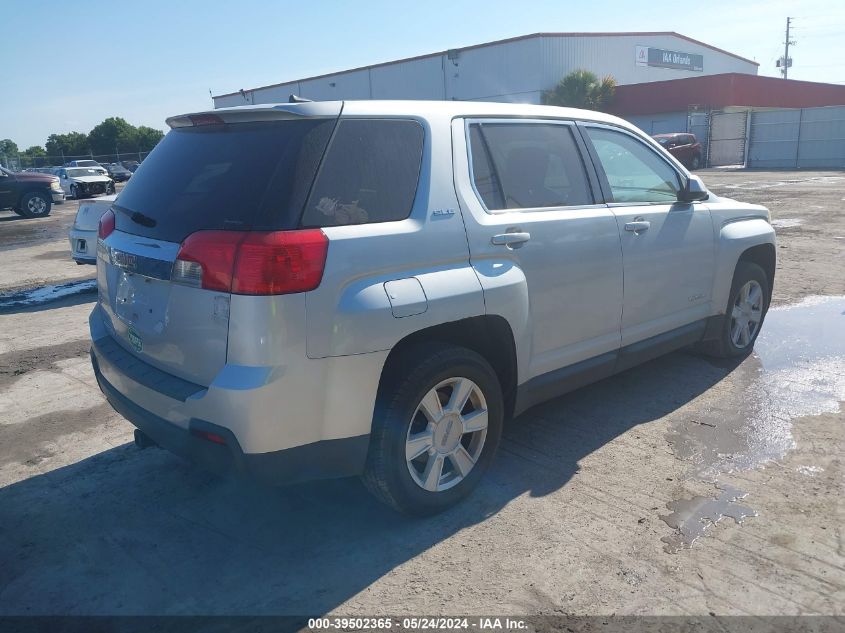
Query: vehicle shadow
(132, 531)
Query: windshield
(79, 172)
(233, 176)
(662, 141)
(87, 163)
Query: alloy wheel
(747, 314)
(36, 205)
(446, 434)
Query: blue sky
(67, 65)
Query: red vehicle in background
(683, 146)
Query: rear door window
(528, 165)
(369, 174)
(229, 176)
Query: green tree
(582, 89)
(147, 138)
(113, 133)
(35, 156)
(8, 147)
(70, 144)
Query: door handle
(637, 226)
(512, 240)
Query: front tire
(436, 427)
(110, 188)
(748, 303)
(74, 192)
(35, 204)
(695, 163)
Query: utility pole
(785, 62)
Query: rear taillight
(280, 262)
(252, 262)
(206, 259)
(106, 225)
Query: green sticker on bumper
(135, 340)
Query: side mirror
(693, 190)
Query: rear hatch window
(228, 176)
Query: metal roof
(727, 89)
(494, 43)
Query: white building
(513, 70)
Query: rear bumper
(83, 246)
(174, 413)
(321, 460)
(58, 197)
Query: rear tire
(748, 303)
(35, 204)
(419, 414)
(695, 163)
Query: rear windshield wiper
(137, 217)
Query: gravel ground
(606, 501)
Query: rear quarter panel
(350, 313)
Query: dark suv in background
(118, 172)
(683, 146)
(29, 194)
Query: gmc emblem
(127, 261)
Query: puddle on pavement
(797, 370)
(692, 518)
(44, 294)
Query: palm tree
(581, 89)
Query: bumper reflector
(211, 437)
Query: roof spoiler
(297, 99)
(268, 112)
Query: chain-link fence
(20, 162)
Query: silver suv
(370, 288)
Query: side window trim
(319, 169)
(589, 169)
(493, 167)
(605, 184)
(606, 197)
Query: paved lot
(575, 517)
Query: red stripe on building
(719, 91)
